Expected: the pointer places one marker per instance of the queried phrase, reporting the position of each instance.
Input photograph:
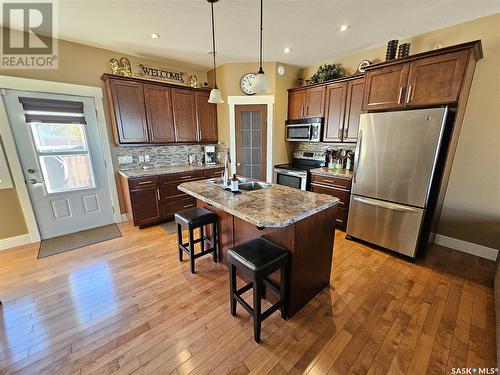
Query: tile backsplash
(163, 155)
(318, 147)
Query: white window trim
(268, 100)
(25, 84)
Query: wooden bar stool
(258, 258)
(191, 219)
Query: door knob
(31, 171)
(34, 181)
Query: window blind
(52, 111)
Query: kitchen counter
(301, 222)
(156, 171)
(275, 207)
(343, 173)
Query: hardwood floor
(128, 306)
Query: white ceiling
(309, 27)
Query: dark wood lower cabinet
(150, 200)
(337, 187)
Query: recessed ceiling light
(287, 50)
(344, 27)
(155, 35)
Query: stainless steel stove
(296, 174)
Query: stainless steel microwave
(304, 130)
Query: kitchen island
(299, 221)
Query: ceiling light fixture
(344, 27)
(215, 94)
(261, 85)
(155, 35)
(287, 50)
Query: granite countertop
(277, 206)
(344, 173)
(156, 171)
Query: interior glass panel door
(251, 142)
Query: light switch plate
(125, 159)
(146, 158)
(141, 158)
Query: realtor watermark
(474, 370)
(29, 34)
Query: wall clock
(246, 83)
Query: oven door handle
(289, 173)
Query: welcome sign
(159, 74)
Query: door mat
(76, 240)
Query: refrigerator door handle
(387, 205)
(356, 155)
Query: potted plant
(328, 71)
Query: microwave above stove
(304, 130)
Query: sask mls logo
(29, 39)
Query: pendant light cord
(213, 45)
(261, 28)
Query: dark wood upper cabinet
(147, 112)
(335, 109)
(308, 102)
(184, 109)
(129, 115)
(427, 79)
(437, 79)
(206, 115)
(296, 104)
(354, 103)
(315, 102)
(343, 108)
(385, 87)
(159, 113)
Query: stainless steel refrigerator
(394, 170)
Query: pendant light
(215, 94)
(261, 85)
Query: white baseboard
(7, 243)
(467, 247)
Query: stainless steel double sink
(244, 184)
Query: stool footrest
(244, 289)
(272, 309)
(244, 304)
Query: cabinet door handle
(400, 94)
(408, 95)
(301, 111)
(182, 177)
(188, 205)
(339, 134)
(307, 110)
(200, 134)
(158, 194)
(145, 182)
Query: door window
(58, 130)
(63, 154)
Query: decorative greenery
(327, 72)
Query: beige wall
(471, 210)
(228, 81)
(78, 64)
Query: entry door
(59, 146)
(251, 141)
